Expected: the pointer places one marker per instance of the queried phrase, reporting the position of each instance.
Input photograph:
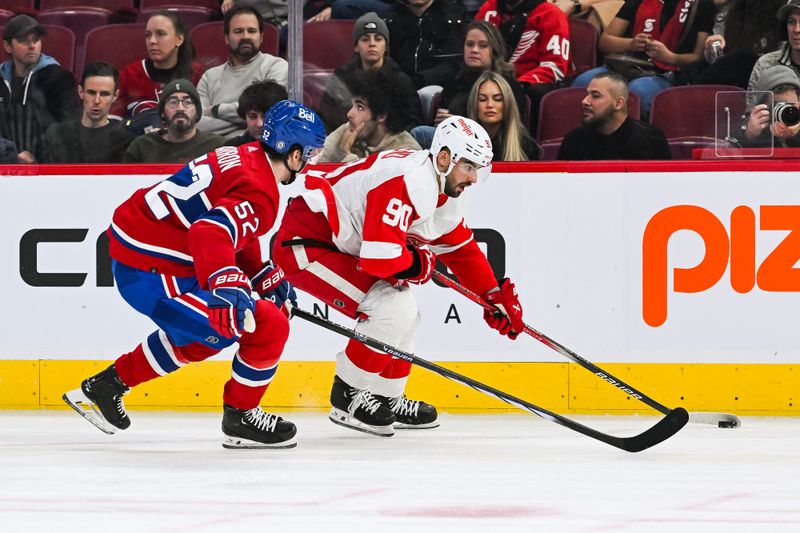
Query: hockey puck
(726, 424)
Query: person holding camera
(782, 120)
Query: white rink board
(573, 248)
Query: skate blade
(429, 425)
(343, 418)
(238, 443)
(88, 410)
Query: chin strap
(441, 177)
(292, 173)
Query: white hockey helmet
(465, 139)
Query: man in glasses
(184, 253)
(360, 234)
(179, 141)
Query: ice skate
(410, 414)
(357, 409)
(253, 428)
(99, 400)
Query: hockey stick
(719, 419)
(662, 430)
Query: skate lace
(364, 398)
(261, 420)
(403, 406)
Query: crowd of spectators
(414, 63)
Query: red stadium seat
(17, 5)
(60, 44)
(81, 20)
(210, 47)
(550, 150)
(5, 15)
(107, 4)
(103, 44)
(213, 5)
(327, 44)
(190, 15)
(314, 84)
(583, 44)
(689, 111)
(560, 112)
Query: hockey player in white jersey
(359, 235)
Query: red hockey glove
(229, 302)
(421, 269)
(508, 317)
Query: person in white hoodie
(220, 87)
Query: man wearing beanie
(371, 47)
(780, 87)
(35, 90)
(788, 54)
(180, 141)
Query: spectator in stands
(220, 87)
(784, 84)
(35, 90)
(275, 12)
(180, 141)
(608, 132)
(347, 9)
(536, 35)
(375, 121)
(94, 138)
(483, 50)
(427, 38)
(491, 104)
(8, 152)
(170, 55)
(748, 31)
(789, 53)
(674, 41)
(254, 102)
(371, 42)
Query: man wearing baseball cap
(35, 90)
(180, 141)
(789, 53)
(371, 47)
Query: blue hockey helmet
(288, 123)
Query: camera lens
(785, 113)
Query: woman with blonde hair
(491, 103)
(484, 50)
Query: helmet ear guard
(464, 139)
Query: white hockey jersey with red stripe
(376, 204)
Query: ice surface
(488, 473)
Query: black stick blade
(664, 429)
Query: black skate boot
(357, 409)
(410, 414)
(99, 400)
(254, 428)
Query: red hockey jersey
(206, 216)
(138, 92)
(375, 205)
(542, 54)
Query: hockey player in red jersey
(184, 253)
(359, 235)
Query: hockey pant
(385, 312)
(179, 307)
